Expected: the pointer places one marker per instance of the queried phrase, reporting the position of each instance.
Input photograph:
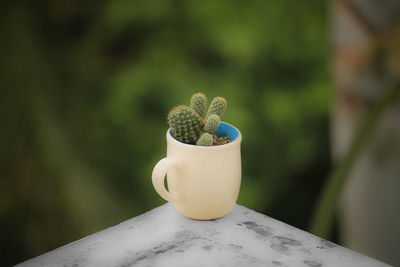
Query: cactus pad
(186, 124)
(198, 103)
(212, 124)
(205, 140)
(217, 106)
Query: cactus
(198, 103)
(212, 124)
(186, 124)
(217, 107)
(192, 125)
(205, 140)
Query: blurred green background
(86, 87)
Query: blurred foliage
(87, 85)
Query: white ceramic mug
(203, 182)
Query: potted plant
(203, 162)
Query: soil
(220, 140)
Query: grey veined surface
(164, 237)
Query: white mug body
(205, 180)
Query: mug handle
(158, 176)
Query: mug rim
(237, 140)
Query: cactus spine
(212, 124)
(205, 140)
(217, 106)
(186, 124)
(198, 103)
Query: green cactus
(217, 107)
(190, 125)
(212, 124)
(186, 124)
(198, 103)
(205, 140)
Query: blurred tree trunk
(366, 62)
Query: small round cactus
(217, 106)
(205, 140)
(198, 103)
(212, 124)
(186, 124)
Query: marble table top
(163, 237)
